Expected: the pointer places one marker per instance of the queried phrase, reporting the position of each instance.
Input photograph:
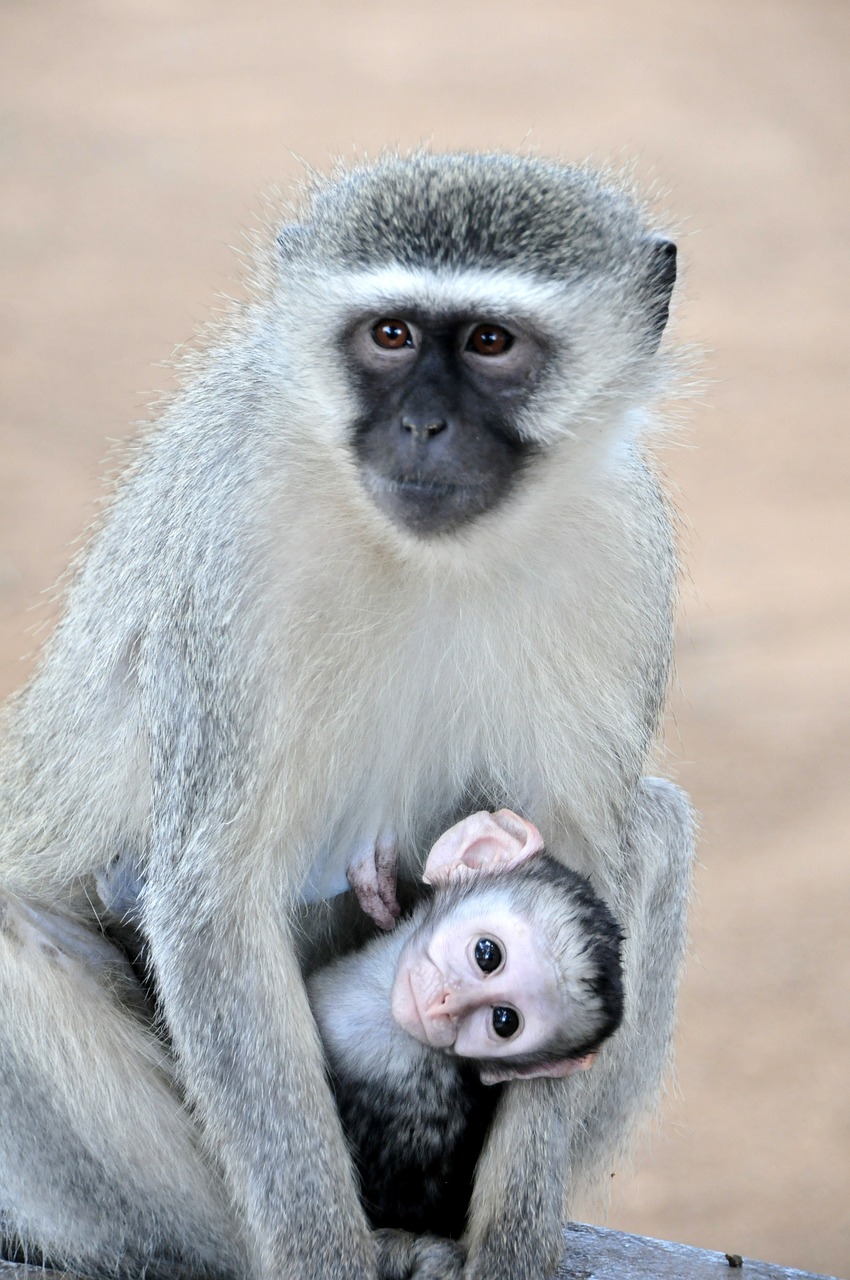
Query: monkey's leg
(626, 1079)
(548, 1134)
(99, 1164)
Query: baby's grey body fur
(256, 673)
(415, 1118)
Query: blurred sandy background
(137, 137)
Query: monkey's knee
(100, 1163)
(666, 817)
(41, 935)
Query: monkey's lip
(433, 491)
(430, 488)
(426, 505)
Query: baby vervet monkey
(509, 969)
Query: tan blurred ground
(136, 137)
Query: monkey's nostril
(440, 1006)
(424, 430)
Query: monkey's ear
(490, 841)
(492, 1073)
(662, 277)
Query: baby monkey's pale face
(478, 983)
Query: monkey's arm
(246, 1046)
(550, 1134)
(251, 1065)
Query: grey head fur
(450, 212)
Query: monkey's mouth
(414, 994)
(427, 505)
(426, 488)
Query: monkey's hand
(404, 1256)
(372, 875)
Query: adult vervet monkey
(392, 557)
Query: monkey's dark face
(440, 398)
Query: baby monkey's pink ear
(492, 1073)
(489, 841)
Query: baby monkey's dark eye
(505, 1021)
(488, 955)
(392, 335)
(489, 340)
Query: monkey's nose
(455, 1001)
(423, 430)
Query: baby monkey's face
(476, 980)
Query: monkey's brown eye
(505, 1021)
(488, 955)
(489, 340)
(392, 335)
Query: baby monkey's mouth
(418, 992)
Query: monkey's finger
(373, 904)
(386, 869)
(371, 872)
